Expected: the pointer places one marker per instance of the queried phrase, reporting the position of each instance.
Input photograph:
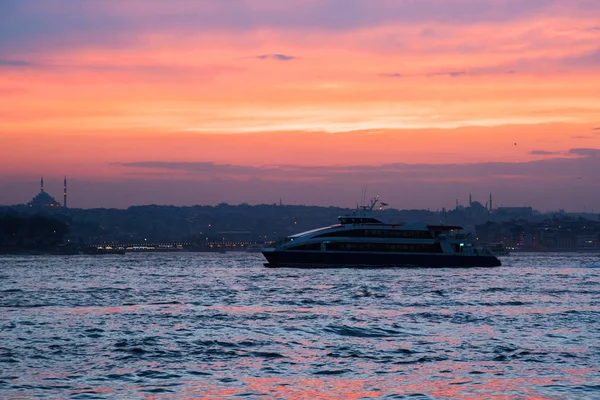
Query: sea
(215, 326)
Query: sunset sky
(200, 102)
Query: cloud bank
(577, 162)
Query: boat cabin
(441, 231)
(355, 219)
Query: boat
(361, 239)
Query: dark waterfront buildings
(559, 233)
(518, 227)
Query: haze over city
(202, 102)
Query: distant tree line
(31, 232)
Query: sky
(308, 101)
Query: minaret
(491, 203)
(42, 185)
(65, 193)
(470, 200)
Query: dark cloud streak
(165, 70)
(452, 74)
(576, 162)
(391, 75)
(276, 57)
(585, 152)
(15, 63)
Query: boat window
(359, 220)
(379, 233)
(307, 246)
(350, 233)
(386, 247)
(389, 233)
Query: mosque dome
(43, 199)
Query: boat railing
(454, 236)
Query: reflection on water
(218, 325)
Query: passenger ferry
(362, 240)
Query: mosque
(477, 206)
(43, 199)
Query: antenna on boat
(374, 201)
(382, 204)
(363, 200)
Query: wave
(344, 330)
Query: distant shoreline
(95, 252)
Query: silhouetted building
(516, 212)
(478, 208)
(43, 199)
(65, 193)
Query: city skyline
(463, 200)
(188, 103)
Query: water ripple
(221, 325)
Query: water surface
(221, 325)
